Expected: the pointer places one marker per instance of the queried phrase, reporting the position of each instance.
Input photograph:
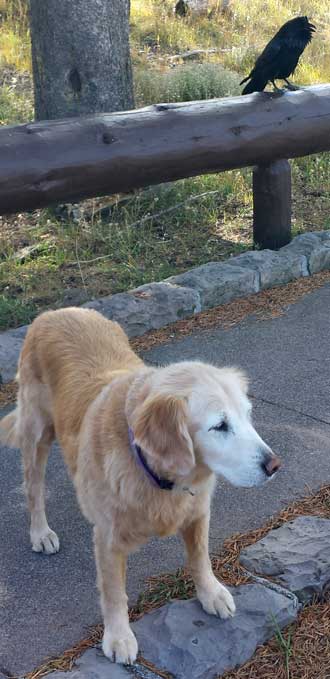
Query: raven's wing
(264, 68)
(267, 59)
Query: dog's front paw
(120, 647)
(45, 541)
(217, 600)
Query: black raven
(280, 57)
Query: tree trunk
(80, 56)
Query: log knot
(75, 80)
(108, 138)
(162, 107)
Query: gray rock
(182, 639)
(11, 343)
(218, 282)
(72, 297)
(94, 665)
(273, 268)
(320, 259)
(323, 235)
(148, 307)
(303, 244)
(315, 246)
(297, 555)
(156, 305)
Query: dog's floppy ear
(160, 428)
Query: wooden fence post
(272, 204)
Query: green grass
(166, 229)
(14, 312)
(14, 35)
(15, 107)
(174, 228)
(284, 641)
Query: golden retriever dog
(142, 444)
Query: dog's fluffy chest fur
(138, 510)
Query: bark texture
(68, 160)
(80, 56)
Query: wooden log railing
(44, 163)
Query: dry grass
(8, 393)
(239, 34)
(309, 650)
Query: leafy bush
(185, 83)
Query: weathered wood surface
(68, 160)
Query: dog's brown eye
(222, 426)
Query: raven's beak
(312, 27)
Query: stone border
(180, 640)
(155, 305)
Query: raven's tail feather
(245, 80)
(255, 85)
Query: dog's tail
(9, 430)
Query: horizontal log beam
(68, 160)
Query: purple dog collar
(163, 484)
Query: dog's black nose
(271, 464)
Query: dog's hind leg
(35, 455)
(36, 434)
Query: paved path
(47, 604)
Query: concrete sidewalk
(48, 604)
